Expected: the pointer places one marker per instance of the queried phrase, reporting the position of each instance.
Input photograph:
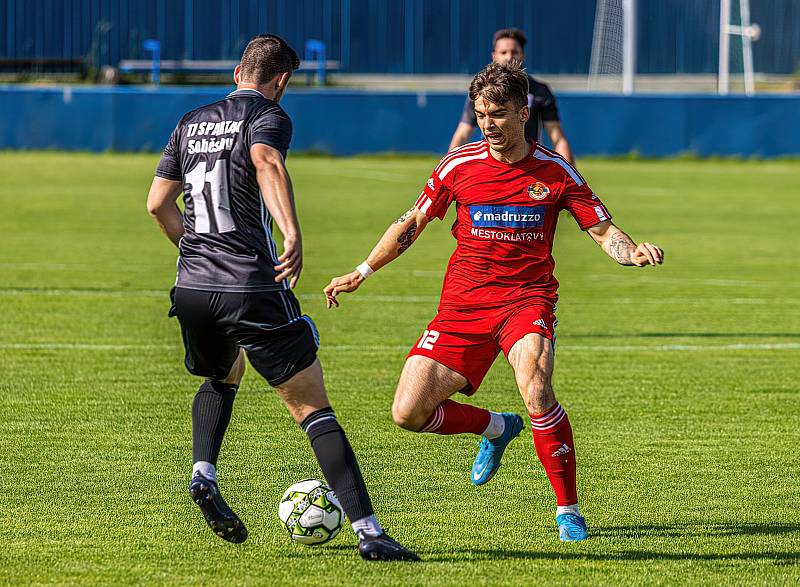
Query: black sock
(211, 413)
(338, 463)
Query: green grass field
(681, 383)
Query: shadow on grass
(500, 554)
(628, 532)
(695, 530)
(325, 550)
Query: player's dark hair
(266, 56)
(500, 83)
(511, 33)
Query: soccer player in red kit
(499, 292)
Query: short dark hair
(511, 33)
(266, 56)
(500, 83)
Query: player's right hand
(344, 284)
(647, 254)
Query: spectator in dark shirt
(509, 44)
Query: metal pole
(345, 35)
(628, 45)
(154, 46)
(408, 36)
(455, 35)
(188, 29)
(724, 47)
(747, 47)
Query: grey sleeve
(169, 167)
(273, 129)
(468, 114)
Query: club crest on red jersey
(538, 191)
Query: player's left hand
(344, 284)
(291, 261)
(647, 254)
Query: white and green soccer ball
(310, 512)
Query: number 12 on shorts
(428, 339)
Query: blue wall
(136, 119)
(390, 36)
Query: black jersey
(541, 103)
(227, 243)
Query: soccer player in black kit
(233, 291)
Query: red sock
(552, 437)
(451, 417)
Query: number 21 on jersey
(428, 339)
(215, 183)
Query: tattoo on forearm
(620, 247)
(405, 217)
(405, 239)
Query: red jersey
(506, 216)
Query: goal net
(605, 68)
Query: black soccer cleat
(219, 516)
(383, 548)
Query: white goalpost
(613, 62)
(614, 47)
(748, 32)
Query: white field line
(437, 274)
(308, 297)
(92, 266)
(426, 273)
(645, 191)
(777, 346)
(70, 346)
(766, 346)
(84, 293)
(701, 281)
(164, 294)
(373, 298)
(371, 174)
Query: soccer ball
(310, 512)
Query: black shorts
(279, 340)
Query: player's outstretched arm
(622, 249)
(461, 135)
(162, 205)
(276, 189)
(395, 241)
(558, 139)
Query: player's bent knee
(539, 397)
(406, 417)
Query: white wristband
(365, 270)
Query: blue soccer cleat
(488, 460)
(572, 527)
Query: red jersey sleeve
(435, 198)
(582, 202)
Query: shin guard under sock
(552, 437)
(338, 463)
(211, 414)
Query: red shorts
(468, 341)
